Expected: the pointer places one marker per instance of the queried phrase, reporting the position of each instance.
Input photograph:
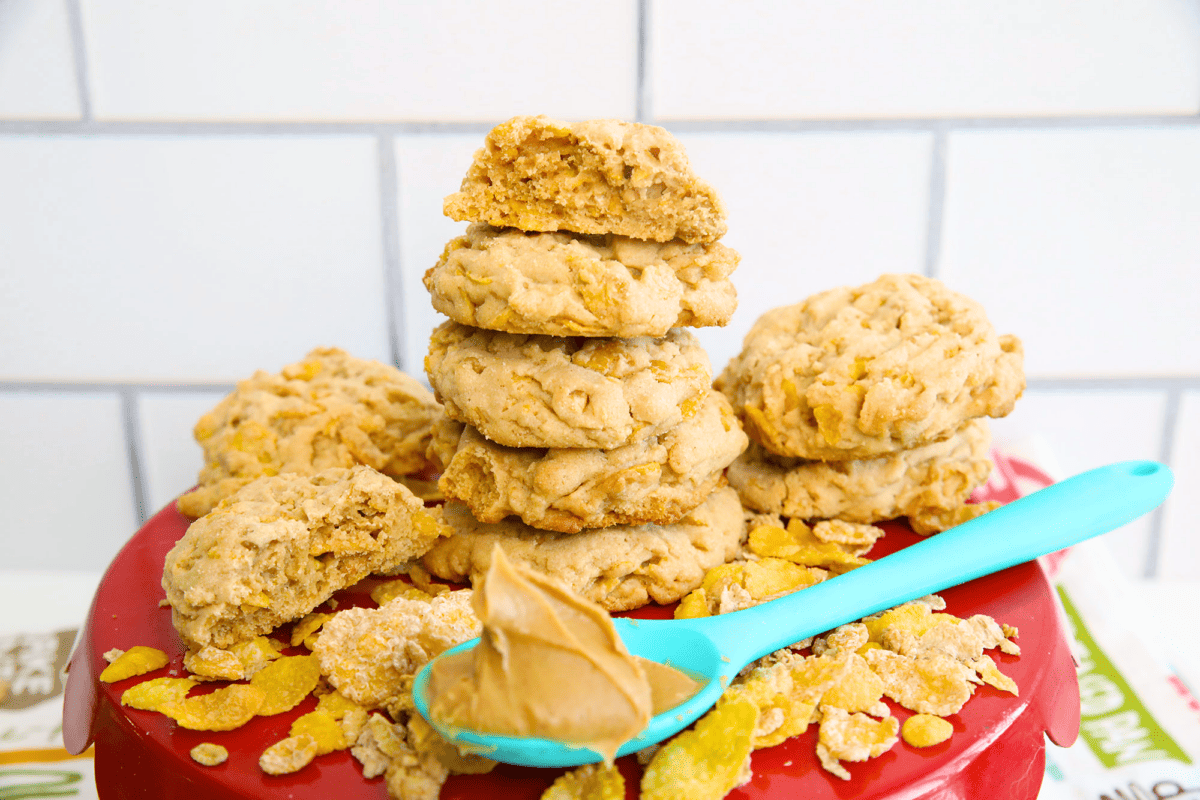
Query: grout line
(393, 277)
(1150, 569)
(642, 100)
(133, 451)
(79, 52)
(309, 128)
(937, 201)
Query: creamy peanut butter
(549, 664)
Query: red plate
(997, 750)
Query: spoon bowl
(714, 649)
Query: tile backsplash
(192, 192)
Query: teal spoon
(715, 649)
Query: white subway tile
(371, 59)
(760, 59)
(1082, 242)
(64, 480)
(170, 458)
(812, 211)
(428, 168)
(1085, 429)
(187, 259)
(37, 67)
(1179, 554)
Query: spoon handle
(1054, 518)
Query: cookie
(930, 479)
(657, 479)
(329, 410)
(599, 176)
(280, 546)
(547, 391)
(861, 372)
(621, 567)
(565, 284)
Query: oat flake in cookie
(620, 568)
(566, 284)
(329, 410)
(547, 391)
(862, 372)
(930, 479)
(598, 176)
(657, 479)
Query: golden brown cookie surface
(565, 284)
(657, 479)
(620, 567)
(929, 479)
(598, 176)
(329, 410)
(547, 391)
(861, 372)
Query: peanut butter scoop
(549, 664)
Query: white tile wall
(1083, 242)
(170, 457)
(215, 188)
(1086, 429)
(1179, 557)
(371, 59)
(37, 71)
(64, 480)
(187, 259)
(812, 211)
(428, 168)
(759, 59)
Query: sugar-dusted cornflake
(856, 537)
(852, 737)
(223, 710)
(308, 625)
(209, 754)
(799, 545)
(378, 743)
(256, 653)
(786, 690)
(938, 521)
(933, 683)
(990, 674)
(426, 741)
(589, 782)
(741, 584)
(352, 722)
(842, 640)
(113, 654)
(323, 729)
(153, 694)
(992, 634)
(926, 730)
(286, 682)
(384, 592)
(135, 661)
(706, 762)
(857, 688)
(212, 663)
(288, 755)
(415, 776)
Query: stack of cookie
(866, 404)
(582, 434)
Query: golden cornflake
(151, 695)
(926, 730)
(397, 588)
(913, 618)
(323, 729)
(256, 653)
(706, 762)
(289, 755)
(799, 545)
(135, 661)
(209, 754)
(213, 663)
(223, 710)
(786, 690)
(852, 737)
(741, 584)
(857, 537)
(286, 682)
(308, 625)
(931, 684)
(857, 689)
(589, 782)
(336, 704)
